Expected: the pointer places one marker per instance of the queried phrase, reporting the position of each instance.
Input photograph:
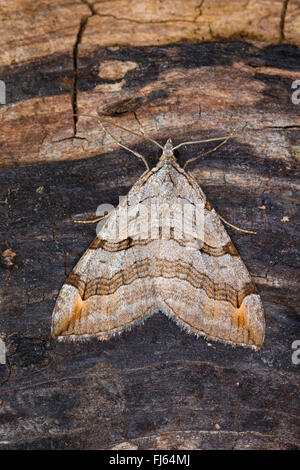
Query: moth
(129, 273)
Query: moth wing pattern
(207, 289)
(202, 284)
(96, 299)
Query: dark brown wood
(154, 387)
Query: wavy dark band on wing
(105, 245)
(166, 269)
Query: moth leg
(235, 227)
(91, 221)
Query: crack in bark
(81, 29)
(82, 26)
(198, 9)
(291, 126)
(132, 20)
(93, 12)
(72, 136)
(90, 6)
(282, 128)
(282, 20)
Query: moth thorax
(168, 153)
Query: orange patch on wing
(69, 323)
(240, 316)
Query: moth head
(168, 152)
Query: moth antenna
(116, 140)
(124, 146)
(212, 150)
(138, 134)
(200, 141)
(208, 140)
(144, 133)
